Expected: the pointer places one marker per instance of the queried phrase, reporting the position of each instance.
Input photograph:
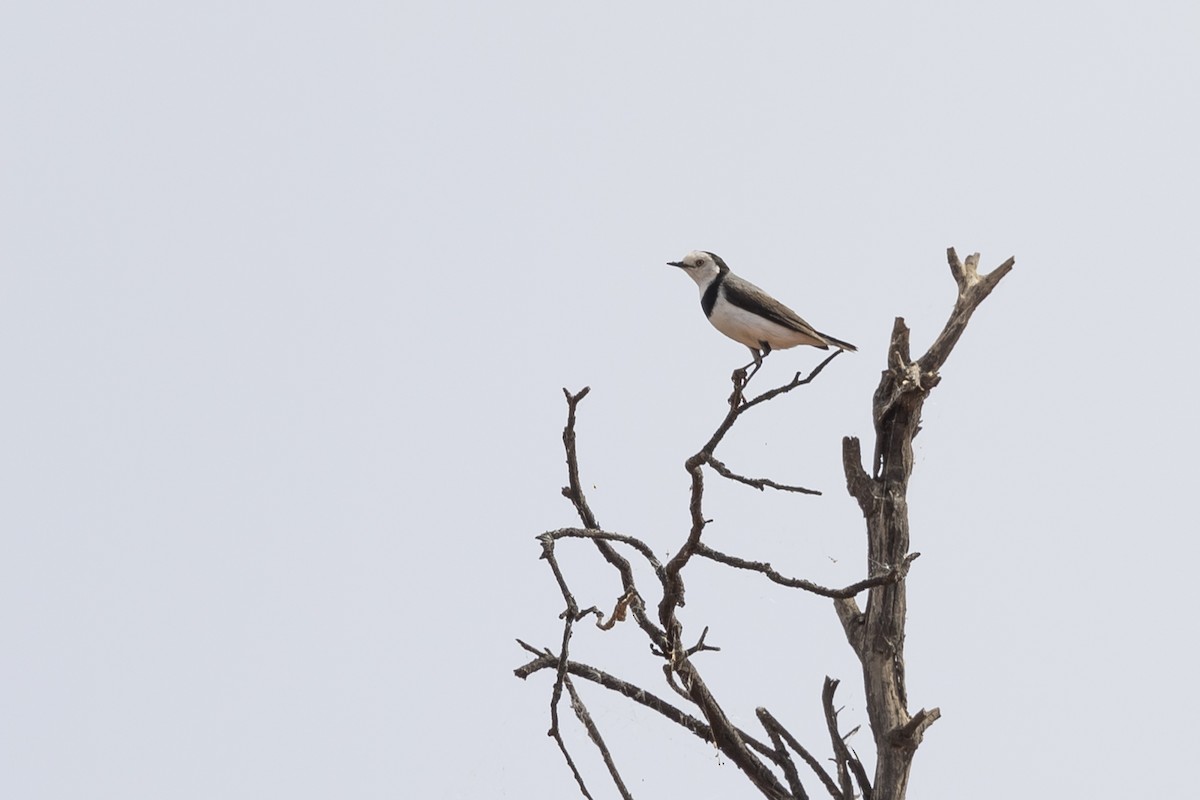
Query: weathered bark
(877, 634)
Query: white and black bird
(747, 314)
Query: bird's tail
(839, 343)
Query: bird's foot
(740, 379)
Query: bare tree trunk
(877, 635)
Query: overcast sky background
(290, 291)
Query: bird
(747, 314)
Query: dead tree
(775, 763)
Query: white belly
(751, 329)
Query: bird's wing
(746, 295)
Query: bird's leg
(756, 363)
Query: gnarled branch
(877, 633)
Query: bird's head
(701, 265)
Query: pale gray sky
(289, 292)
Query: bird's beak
(676, 264)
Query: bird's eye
(700, 260)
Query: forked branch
(876, 634)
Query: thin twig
(771, 724)
(562, 746)
(700, 646)
(840, 755)
(569, 616)
(594, 734)
(607, 536)
(573, 491)
(843, 754)
(757, 483)
(893, 575)
(784, 759)
(860, 772)
(546, 660)
(794, 383)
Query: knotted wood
(877, 633)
